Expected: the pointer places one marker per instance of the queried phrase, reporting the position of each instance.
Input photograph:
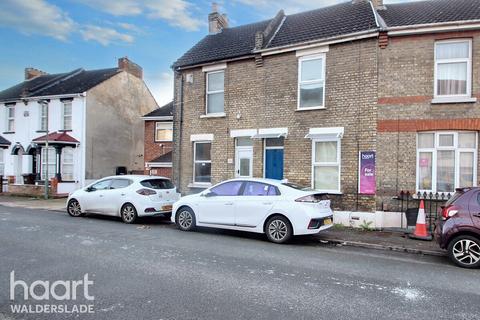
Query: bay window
(311, 82)
(453, 68)
(446, 160)
(67, 164)
(215, 92)
(49, 163)
(326, 165)
(202, 167)
(67, 115)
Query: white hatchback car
(281, 210)
(127, 196)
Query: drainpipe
(179, 136)
(45, 102)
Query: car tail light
(449, 211)
(313, 198)
(146, 192)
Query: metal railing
(408, 203)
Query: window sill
(203, 185)
(64, 130)
(213, 115)
(41, 131)
(329, 192)
(453, 100)
(310, 108)
(8, 132)
(163, 140)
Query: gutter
(36, 98)
(434, 27)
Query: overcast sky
(59, 36)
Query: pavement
(380, 240)
(153, 271)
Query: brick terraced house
(158, 141)
(318, 97)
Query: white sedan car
(127, 196)
(281, 210)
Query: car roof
(263, 180)
(135, 177)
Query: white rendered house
(89, 120)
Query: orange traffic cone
(420, 232)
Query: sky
(62, 35)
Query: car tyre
(129, 213)
(278, 229)
(464, 251)
(74, 209)
(185, 219)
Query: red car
(458, 228)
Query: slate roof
(340, 19)
(57, 137)
(432, 11)
(4, 142)
(164, 111)
(165, 158)
(76, 81)
(333, 21)
(230, 43)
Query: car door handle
(123, 194)
(229, 203)
(100, 195)
(267, 203)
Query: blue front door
(274, 164)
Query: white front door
(244, 162)
(18, 167)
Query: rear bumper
(304, 230)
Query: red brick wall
(153, 150)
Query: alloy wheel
(277, 230)
(185, 219)
(74, 208)
(128, 213)
(466, 252)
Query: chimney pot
(216, 21)
(31, 73)
(130, 67)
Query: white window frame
(337, 163)
(446, 61)
(195, 161)
(10, 119)
(42, 116)
(207, 74)
(51, 162)
(64, 116)
(65, 163)
(456, 149)
(163, 126)
(300, 82)
(2, 162)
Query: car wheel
(278, 229)
(129, 213)
(465, 251)
(185, 219)
(74, 209)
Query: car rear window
(297, 186)
(157, 184)
(455, 197)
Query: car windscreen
(157, 184)
(297, 186)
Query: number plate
(167, 208)
(327, 221)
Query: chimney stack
(216, 21)
(31, 73)
(130, 67)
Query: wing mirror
(208, 194)
(90, 189)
